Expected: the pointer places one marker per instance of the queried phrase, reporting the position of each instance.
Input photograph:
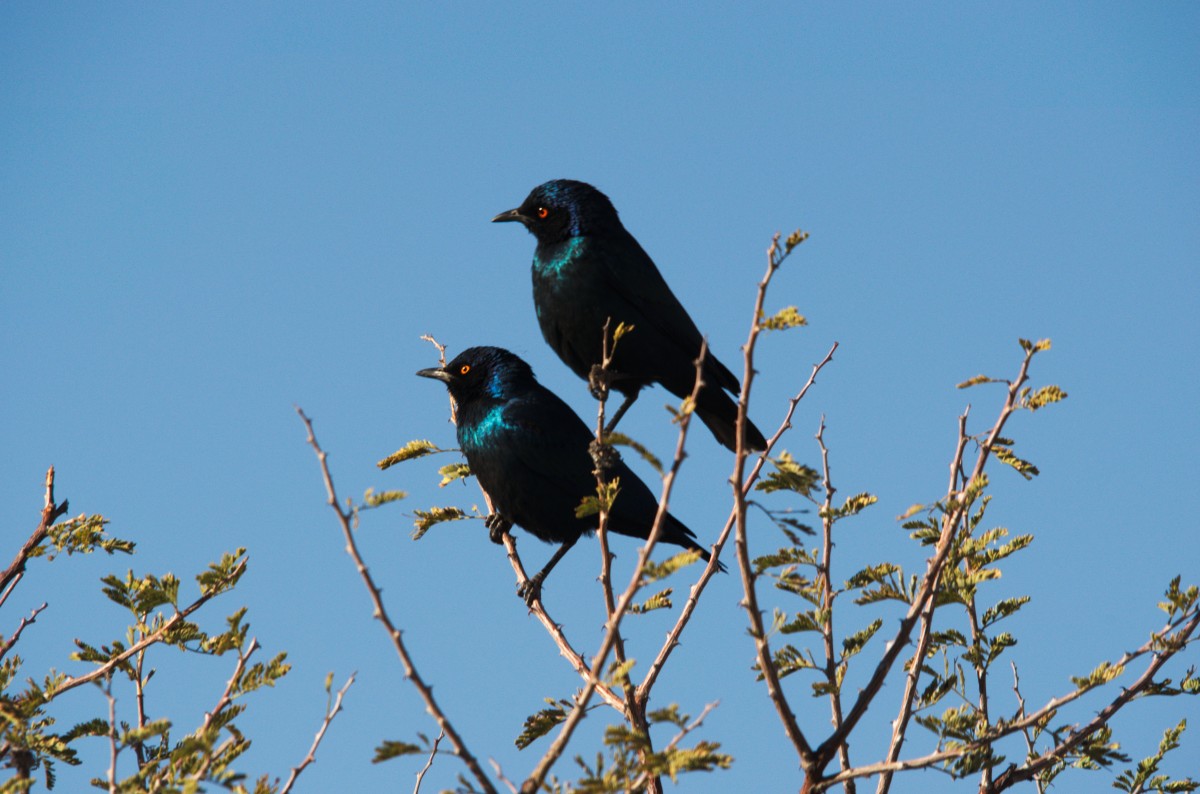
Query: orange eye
(542, 212)
(464, 369)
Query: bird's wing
(551, 443)
(632, 275)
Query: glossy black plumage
(588, 268)
(529, 451)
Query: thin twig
(535, 779)
(766, 663)
(380, 613)
(956, 508)
(634, 710)
(671, 745)
(16, 635)
(693, 599)
(565, 649)
(828, 596)
(500, 774)
(1183, 630)
(330, 713)
(113, 751)
(51, 512)
(925, 632)
(150, 639)
(227, 695)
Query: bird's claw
(599, 380)
(604, 456)
(531, 590)
(497, 526)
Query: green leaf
(784, 319)
(1043, 397)
(1003, 609)
(1105, 672)
(539, 724)
(1024, 467)
(606, 494)
(660, 600)
(975, 381)
(433, 516)
(390, 749)
(794, 239)
(854, 643)
(1033, 347)
(372, 499)
(789, 476)
(788, 660)
(852, 506)
(622, 440)
(654, 571)
(410, 451)
(453, 471)
(787, 556)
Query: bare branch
(900, 725)
(330, 713)
(51, 512)
(538, 610)
(825, 575)
(380, 613)
(16, 635)
(739, 482)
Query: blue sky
(212, 213)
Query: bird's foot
(599, 381)
(531, 590)
(497, 526)
(604, 456)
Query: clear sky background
(212, 213)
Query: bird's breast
(554, 262)
(479, 433)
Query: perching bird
(530, 453)
(587, 269)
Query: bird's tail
(719, 413)
(675, 532)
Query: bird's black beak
(437, 373)
(511, 215)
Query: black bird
(530, 453)
(586, 269)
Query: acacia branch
(51, 512)
(612, 626)
(150, 639)
(738, 481)
(332, 711)
(1183, 631)
(956, 508)
(345, 518)
(1027, 771)
(565, 649)
(900, 726)
(828, 595)
(16, 635)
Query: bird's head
(480, 373)
(563, 208)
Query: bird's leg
(599, 380)
(630, 399)
(497, 526)
(532, 589)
